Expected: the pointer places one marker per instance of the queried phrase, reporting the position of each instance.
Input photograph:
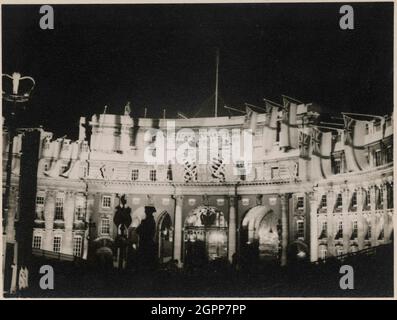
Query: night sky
(163, 56)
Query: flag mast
(216, 82)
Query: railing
(55, 255)
(371, 251)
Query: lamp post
(14, 97)
(16, 101)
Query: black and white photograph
(197, 150)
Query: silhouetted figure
(122, 219)
(147, 245)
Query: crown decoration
(17, 88)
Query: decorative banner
(217, 169)
(192, 201)
(270, 131)
(190, 171)
(251, 119)
(136, 200)
(220, 202)
(165, 201)
(245, 201)
(289, 127)
(304, 145)
(355, 151)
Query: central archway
(259, 235)
(205, 236)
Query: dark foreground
(373, 277)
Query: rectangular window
(340, 226)
(278, 130)
(324, 201)
(389, 154)
(354, 200)
(355, 230)
(380, 198)
(39, 200)
(300, 229)
(57, 244)
(105, 226)
(134, 174)
(339, 201)
(240, 166)
(378, 126)
(337, 165)
(300, 203)
(80, 208)
(59, 208)
(367, 196)
(37, 242)
(378, 158)
(369, 231)
(366, 128)
(153, 175)
(106, 202)
(77, 246)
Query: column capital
(178, 198)
(50, 193)
(232, 200)
(70, 193)
(284, 196)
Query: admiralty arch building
(310, 190)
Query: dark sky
(163, 56)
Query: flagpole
(364, 115)
(145, 113)
(164, 114)
(251, 105)
(216, 82)
(274, 104)
(234, 109)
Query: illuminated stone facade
(312, 193)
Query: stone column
(331, 198)
(67, 242)
(178, 230)
(346, 218)
(372, 194)
(360, 221)
(313, 227)
(384, 213)
(90, 200)
(389, 215)
(11, 213)
(284, 228)
(232, 228)
(49, 212)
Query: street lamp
(17, 98)
(16, 95)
